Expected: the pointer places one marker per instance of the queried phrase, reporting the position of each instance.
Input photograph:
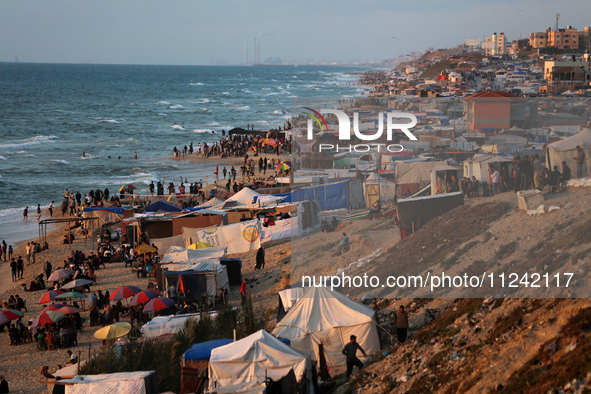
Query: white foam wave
(226, 103)
(30, 141)
(178, 127)
(60, 161)
(88, 157)
(163, 102)
(161, 114)
(243, 108)
(203, 101)
(176, 106)
(201, 131)
(213, 124)
(225, 93)
(109, 121)
(196, 84)
(2, 158)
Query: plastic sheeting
(238, 238)
(179, 254)
(329, 318)
(162, 325)
(330, 196)
(202, 351)
(114, 383)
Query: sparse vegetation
(505, 250)
(441, 326)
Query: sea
(79, 126)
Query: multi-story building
(564, 38)
(495, 45)
(539, 40)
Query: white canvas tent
(477, 166)
(244, 197)
(253, 359)
(328, 318)
(565, 150)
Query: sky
(194, 32)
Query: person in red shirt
(243, 289)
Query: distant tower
(557, 16)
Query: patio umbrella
(47, 318)
(49, 296)
(113, 331)
(127, 187)
(59, 274)
(53, 307)
(7, 315)
(124, 292)
(199, 245)
(71, 294)
(284, 166)
(158, 304)
(143, 296)
(76, 283)
(144, 248)
(68, 310)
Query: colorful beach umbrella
(71, 294)
(59, 274)
(7, 315)
(144, 248)
(158, 304)
(284, 166)
(113, 331)
(127, 187)
(77, 283)
(124, 292)
(68, 310)
(53, 307)
(48, 317)
(50, 296)
(199, 245)
(143, 296)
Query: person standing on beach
(243, 290)
(580, 160)
(50, 209)
(47, 268)
(20, 267)
(26, 214)
(3, 385)
(28, 253)
(4, 249)
(9, 252)
(13, 267)
(38, 212)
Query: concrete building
(539, 40)
(494, 110)
(495, 45)
(564, 38)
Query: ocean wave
(203, 100)
(39, 139)
(213, 124)
(163, 102)
(110, 120)
(176, 106)
(226, 103)
(114, 146)
(161, 114)
(2, 158)
(243, 108)
(60, 161)
(88, 157)
(178, 127)
(225, 93)
(196, 84)
(201, 131)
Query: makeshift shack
(198, 278)
(444, 179)
(565, 150)
(195, 363)
(478, 166)
(234, 270)
(414, 212)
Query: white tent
(477, 166)
(253, 359)
(245, 196)
(328, 318)
(177, 254)
(213, 202)
(162, 325)
(565, 150)
(141, 382)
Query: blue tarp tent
(286, 197)
(162, 206)
(330, 196)
(202, 351)
(118, 211)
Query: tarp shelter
(177, 254)
(375, 187)
(411, 176)
(414, 212)
(199, 278)
(440, 175)
(565, 150)
(162, 206)
(194, 365)
(105, 215)
(331, 196)
(202, 351)
(238, 238)
(140, 382)
(478, 165)
(329, 318)
(254, 359)
(287, 299)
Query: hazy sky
(201, 32)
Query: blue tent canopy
(162, 206)
(202, 351)
(329, 196)
(118, 211)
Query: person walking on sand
(4, 249)
(350, 351)
(28, 252)
(260, 259)
(13, 268)
(20, 267)
(243, 290)
(50, 209)
(26, 214)
(38, 212)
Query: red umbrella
(158, 304)
(53, 307)
(50, 296)
(124, 292)
(68, 310)
(7, 315)
(143, 296)
(48, 317)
